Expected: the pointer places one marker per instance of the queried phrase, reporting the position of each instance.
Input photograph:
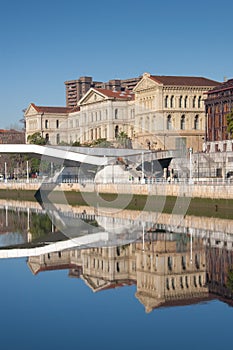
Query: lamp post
(190, 166)
(142, 179)
(27, 173)
(5, 172)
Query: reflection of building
(161, 269)
(166, 271)
(219, 263)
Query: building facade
(170, 111)
(159, 112)
(103, 115)
(50, 122)
(219, 103)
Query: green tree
(36, 139)
(124, 140)
(230, 123)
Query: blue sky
(46, 42)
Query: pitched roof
(122, 95)
(46, 109)
(183, 80)
(227, 85)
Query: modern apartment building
(76, 89)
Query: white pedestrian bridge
(53, 153)
(87, 155)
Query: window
(180, 102)
(116, 113)
(46, 124)
(196, 122)
(186, 102)
(116, 131)
(169, 263)
(182, 122)
(194, 101)
(166, 102)
(58, 138)
(47, 138)
(199, 102)
(169, 122)
(172, 101)
(183, 262)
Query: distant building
(218, 104)
(76, 89)
(156, 112)
(12, 136)
(50, 122)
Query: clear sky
(44, 43)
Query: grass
(220, 208)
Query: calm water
(164, 290)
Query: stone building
(218, 104)
(159, 112)
(170, 111)
(50, 122)
(103, 115)
(12, 136)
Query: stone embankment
(212, 191)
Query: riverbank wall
(212, 191)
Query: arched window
(182, 122)
(166, 102)
(196, 122)
(194, 101)
(180, 102)
(186, 102)
(57, 123)
(199, 102)
(172, 101)
(116, 131)
(46, 124)
(169, 263)
(169, 122)
(116, 113)
(47, 138)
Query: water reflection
(169, 264)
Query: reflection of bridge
(217, 231)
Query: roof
(46, 109)
(183, 80)
(227, 85)
(10, 131)
(124, 95)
